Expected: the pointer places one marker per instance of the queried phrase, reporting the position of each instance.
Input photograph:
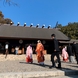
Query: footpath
(14, 66)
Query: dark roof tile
(30, 32)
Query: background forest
(71, 30)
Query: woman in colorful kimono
(39, 51)
(29, 53)
(64, 54)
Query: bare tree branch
(10, 2)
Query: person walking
(54, 44)
(75, 50)
(6, 50)
(65, 54)
(29, 53)
(39, 51)
(16, 50)
(71, 54)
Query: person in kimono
(39, 51)
(29, 53)
(64, 54)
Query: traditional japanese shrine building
(23, 35)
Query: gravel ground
(22, 66)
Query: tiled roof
(30, 32)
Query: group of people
(67, 52)
(70, 53)
(39, 51)
(40, 55)
(75, 50)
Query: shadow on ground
(68, 72)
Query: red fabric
(40, 59)
(28, 59)
(64, 54)
(65, 59)
(39, 51)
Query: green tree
(1, 15)
(71, 30)
(4, 20)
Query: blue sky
(41, 12)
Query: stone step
(38, 74)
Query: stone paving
(22, 66)
(19, 67)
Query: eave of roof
(71, 41)
(7, 31)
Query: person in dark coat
(75, 50)
(54, 47)
(70, 53)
